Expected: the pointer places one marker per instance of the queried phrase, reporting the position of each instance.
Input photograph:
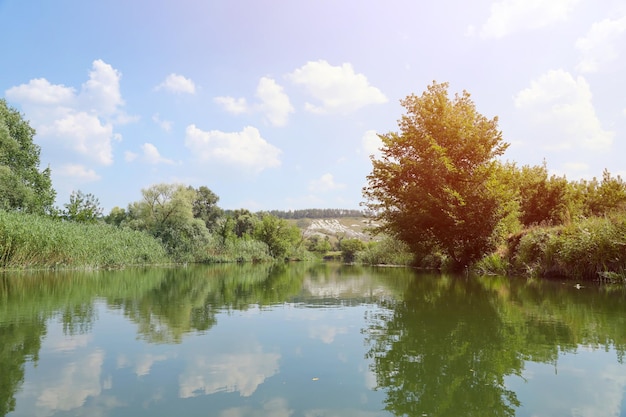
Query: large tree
(434, 186)
(22, 186)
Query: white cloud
(338, 88)
(372, 143)
(274, 102)
(39, 91)
(81, 122)
(325, 183)
(77, 172)
(152, 156)
(510, 16)
(83, 133)
(175, 83)
(601, 46)
(245, 149)
(163, 124)
(101, 93)
(560, 105)
(233, 105)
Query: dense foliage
(22, 186)
(435, 185)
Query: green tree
(116, 216)
(604, 197)
(205, 207)
(279, 235)
(83, 208)
(435, 184)
(166, 212)
(22, 186)
(349, 249)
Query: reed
(32, 241)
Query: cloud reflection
(228, 372)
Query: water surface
(307, 340)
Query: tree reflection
(443, 350)
(19, 343)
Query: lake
(308, 340)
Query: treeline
(316, 213)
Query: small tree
(435, 185)
(349, 249)
(84, 208)
(279, 235)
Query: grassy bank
(31, 241)
(589, 249)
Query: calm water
(308, 340)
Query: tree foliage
(279, 235)
(83, 208)
(435, 184)
(22, 186)
(166, 212)
(205, 207)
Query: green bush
(387, 251)
(588, 249)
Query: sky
(276, 104)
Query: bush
(388, 251)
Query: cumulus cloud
(325, 183)
(101, 93)
(337, 88)
(81, 122)
(245, 149)
(602, 44)
(152, 156)
(561, 105)
(177, 84)
(510, 16)
(232, 105)
(77, 172)
(39, 91)
(83, 133)
(273, 103)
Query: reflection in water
(302, 339)
(240, 372)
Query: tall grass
(593, 248)
(32, 241)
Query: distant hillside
(336, 228)
(317, 213)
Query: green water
(307, 340)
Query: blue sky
(275, 104)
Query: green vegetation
(435, 186)
(439, 197)
(37, 241)
(441, 190)
(22, 186)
